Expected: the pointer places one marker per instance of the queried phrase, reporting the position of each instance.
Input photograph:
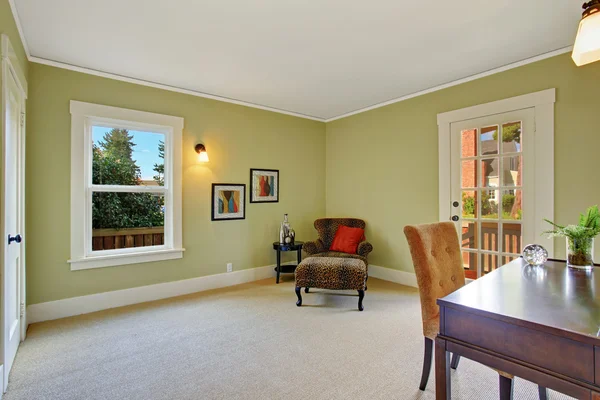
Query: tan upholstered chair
(438, 263)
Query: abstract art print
(228, 201)
(264, 186)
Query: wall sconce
(202, 154)
(587, 43)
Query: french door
(492, 199)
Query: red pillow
(346, 239)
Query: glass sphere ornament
(534, 254)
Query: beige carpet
(245, 342)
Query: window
(125, 186)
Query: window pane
(489, 172)
(512, 205)
(469, 235)
(469, 204)
(470, 264)
(121, 220)
(512, 238)
(489, 236)
(489, 262)
(469, 173)
(511, 171)
(126, 157)
(511, 137)
(489, 140)
(489, 203)
(469, 143)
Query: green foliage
(508, 201)
(490, 208)
(160, 168)
(112, 164)
(118, 143)
(487, 207)
(588, 227)
(468, 204)
(510, 132)
(579, 236)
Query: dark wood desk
(537, 323)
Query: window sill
(124, 259)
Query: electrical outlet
(229, 267)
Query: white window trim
(543, 158)
(83, 115)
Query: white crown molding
(142, 82)
(534, 99)
(459, 81)
(13, 8)
(266, 108)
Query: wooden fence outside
(108, 239)
(489, 241)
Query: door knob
(455, 218)
(17, 239)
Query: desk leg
(506, 387)
(442, 371)
(278, 264)
(299, 256)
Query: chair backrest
(327, 227)
(437, 259)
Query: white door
(491, 188)
(13, 221)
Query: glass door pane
(487, 188)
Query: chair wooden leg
(361, 296)
(455, 361)
(543, 393)
(299, 302)
(506, 388)
(426, 363)
(306, 289)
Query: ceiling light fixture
(202, 154)
(587, 43)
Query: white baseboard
(393, 275)
(118, 298)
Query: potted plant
(580, 238)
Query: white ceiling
(320, 58)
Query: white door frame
(542, 161)
(10, 65)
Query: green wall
(237, 138)
(9, 27)
(382, 165)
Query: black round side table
(279, 247)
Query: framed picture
(264, 185)
(228, 201)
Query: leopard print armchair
(326, 228)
